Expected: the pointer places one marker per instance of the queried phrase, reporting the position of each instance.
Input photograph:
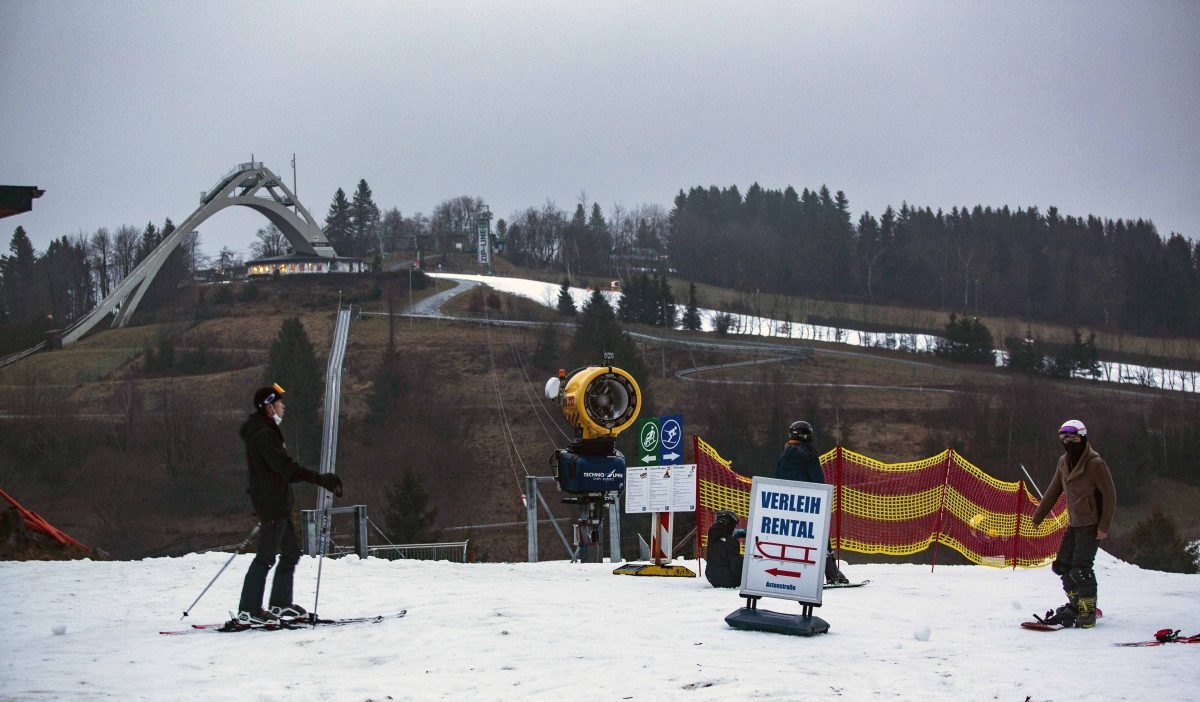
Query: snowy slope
(547, 294)
(560, 631)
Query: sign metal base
(776, 622)
(751, 618)
(652, 569)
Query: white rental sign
(787, 535)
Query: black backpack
(724, 556)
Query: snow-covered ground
(547, 294)
(561, 631)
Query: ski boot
(259, 617)
(838, 578)
(288, 613)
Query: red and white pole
(661, 528)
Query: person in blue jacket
(799, 461)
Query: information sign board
(660, 489)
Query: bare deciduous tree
(269, 241)
(102, 252)
(125, 248)
(453, 218)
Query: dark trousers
(277, 537)
(1076, 556)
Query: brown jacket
(1091, 495)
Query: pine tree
(292, 363)
(338, 224)
(18, 268)
(574, 240)
(1085, 356)
(628, 305)
(691, 316)
(386, 387)
(648, 302)
(545, 353)
(1026, 355)
(600, 332)
(407, 514)
(599, 244)
(666, 304)
(149, 241)
(966, 341)
(364, 221)
(566, 303)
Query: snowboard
(835, 586)
(1042, 626)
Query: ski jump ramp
(250, 185)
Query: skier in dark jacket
(724, 551)
(799, 461)
(271, 473)
(1091, 503)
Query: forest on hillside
(1078, 271)
(1106, 274)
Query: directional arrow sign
(783, 573)
(671, 457)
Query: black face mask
(1074, 448)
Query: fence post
(696, 460)
(937, 530)
(1016, 549)
(531, 492)
(838, 487)
(360, 534)
(614, 529)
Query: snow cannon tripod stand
(599, 402)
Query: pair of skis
(1163, 637)
(233, 626)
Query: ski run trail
(561, 631)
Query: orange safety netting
(900, 509)
(36, 522)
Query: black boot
(1087, 613)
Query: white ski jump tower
(250, 185)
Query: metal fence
(454, 551)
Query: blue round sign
(671, 433)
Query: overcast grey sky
(124, 112)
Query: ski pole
(321, 545)
(236, 550)
(1035, 487)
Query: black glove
(330, 482)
